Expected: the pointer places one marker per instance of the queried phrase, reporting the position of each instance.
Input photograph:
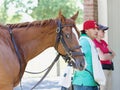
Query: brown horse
(32, 39)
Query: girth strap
(16, 50)
(18, 54)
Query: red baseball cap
(89, 25)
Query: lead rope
(18, 54)
(50, 67)
(93, 78)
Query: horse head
(67, 41)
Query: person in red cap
(83, 80)
(105, 54)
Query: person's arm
(111, 51)
(105, 56)
(85, 46)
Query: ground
(47, 84)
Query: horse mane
(34, 23)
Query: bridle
(69, 52)
(59, 38)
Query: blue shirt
(83, 77)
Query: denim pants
(63, 88)
(78, 87)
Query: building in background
(107, 12)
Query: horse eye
(67, 36)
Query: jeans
(63, 88)
(78, 87)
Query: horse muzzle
(79, 64)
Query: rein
(50, 67)
(93, 78)
(66, 57)
(20, 61)
(59, 38)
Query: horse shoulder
(9, 66)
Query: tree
(50, 8)
(11, 11)
(3, 12)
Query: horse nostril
(78, 64)
(82, 64)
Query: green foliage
(49, 9)
(11, 11)
(5, 16)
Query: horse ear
(74, 17)
(61, 17)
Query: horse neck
(34, 40)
